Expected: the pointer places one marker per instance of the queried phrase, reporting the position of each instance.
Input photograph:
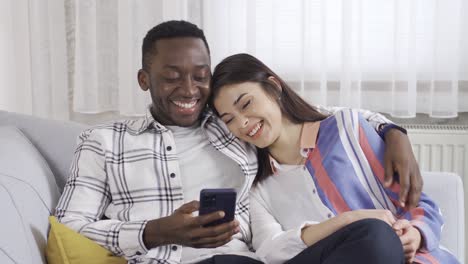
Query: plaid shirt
(125, 174)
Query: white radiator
(442, 148)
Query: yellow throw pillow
(66, 246)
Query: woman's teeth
(185, 105)
(255, 129)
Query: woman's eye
(228, 121)
(246, 104)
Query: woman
(318, 195)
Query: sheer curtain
(108, 43)
(33, 68)
(396, 56)
(399, 56)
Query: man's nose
(188, 86)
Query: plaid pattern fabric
(126, 173)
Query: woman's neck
(286, 148)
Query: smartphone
(212, 200)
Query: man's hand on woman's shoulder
(399, 159)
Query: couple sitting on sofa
(322, 184)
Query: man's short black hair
(167, 30)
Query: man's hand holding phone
(183, 228)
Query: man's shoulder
(131, 126)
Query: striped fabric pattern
(347, 168)
(125, 173)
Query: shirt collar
(148, 122)
(309, 135)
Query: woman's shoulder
(341, 111)
(263, 189)
(257, 194)
(345, 116)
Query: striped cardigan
(347, 168)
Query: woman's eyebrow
(238, 99)
(235, 102)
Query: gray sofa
(35, 155)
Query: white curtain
(109, 36)
(396, 56)
(33, 68)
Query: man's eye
(246, 104)
(171, 80)
(201, 78)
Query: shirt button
(169, 148)
(172, 175)
(174, 248)
(313, 191)
(329, 215)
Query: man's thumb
(388, 179)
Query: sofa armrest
(446, 189)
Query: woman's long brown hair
(242, 68)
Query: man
(134, 184)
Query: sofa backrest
(55, 140)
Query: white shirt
(200, 165)
(280, 206)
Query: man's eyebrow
(173, 67)
(203, 66)
(177, 68)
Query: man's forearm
(121, 238)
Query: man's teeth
(254, 131)
(185, 105)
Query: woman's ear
(276, 83)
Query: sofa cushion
(67, 246)
(29, 194)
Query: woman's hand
(399, 158)
(313, 233)
(410, 238)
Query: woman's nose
(245, 122)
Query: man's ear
(143, 80)
(275, 82)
